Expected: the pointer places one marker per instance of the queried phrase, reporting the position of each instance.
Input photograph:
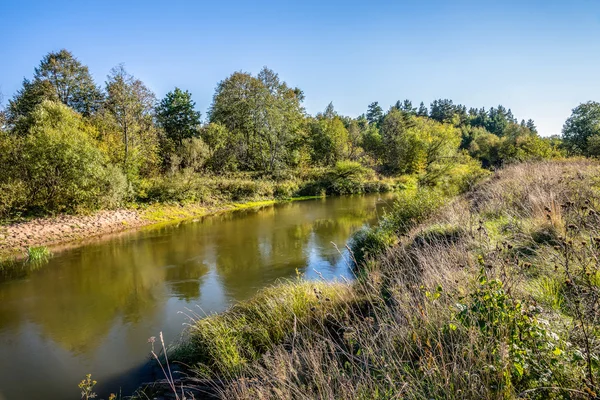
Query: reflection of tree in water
(259, 249)
(78, 297)
(185, 279)
(272, 243)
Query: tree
(372, 143)
(401, 147)
(442, 110)
(531, 126)
(354, 139)
(422, 111)
(583, 123)
(25, 101)
(177, 116)
(498, 120)
(374, 113)
(329, 112)
(593, 147)
(485, 147)
(2, 114)
(131, 104)
(264, 114)
(329, 139)
(71, 81)
(414, 145)
(407, 107)
(221, 147)
(520, 144)
(58, 164)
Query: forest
(69, 144)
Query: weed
(36, 255)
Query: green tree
(401, 147)
(485, 147)
(221, 147)
(583, 123)
(414, 144)
(27, 98)
(372, 143)
(407, 107)
(264, 114)
(58, 165)
(354, 139)
(71, 81)
(593, 147)
(531, 126)
(329, 138)
(442, 110)
(130, 105)
(498, 120)
(520, 144)
(176, 115)
(374, 113)
(422, 111)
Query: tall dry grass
(493, 296)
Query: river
(91, 309)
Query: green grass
(228, 342)
(36, 255)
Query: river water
(91, 309)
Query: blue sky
(540, 58)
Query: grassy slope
(495, 295)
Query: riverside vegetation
(493, 294)
(68, 145)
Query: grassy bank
(492, 295)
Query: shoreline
(64, 232)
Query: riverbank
(66, 231)
(491, 295)
(187, 196)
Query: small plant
(520, 346)
(38, 254)
(87, 387)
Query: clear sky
(539, 58)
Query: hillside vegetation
(493, 295)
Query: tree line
(65, 140)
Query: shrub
(285, 189)
(58, 166)
(410, 208)
(180, 187)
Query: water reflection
(91, 309)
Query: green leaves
(177, 116)
(583, 123)
(264, 117)
(58, 163)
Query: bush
(410, 208)
(13, 195)
(285, 189)
(57, 166)
(243, 189)
(180, 187)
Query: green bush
(285, 189)
(410, 208)
(244, 189)
(180, 187)
(57, 166)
